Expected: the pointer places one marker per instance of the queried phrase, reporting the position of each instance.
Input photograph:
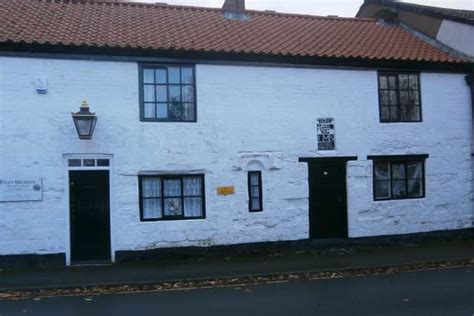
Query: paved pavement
(447, 292)
(195, 269)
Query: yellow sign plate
(226, 190)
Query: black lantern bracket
(84, 121)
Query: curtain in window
(192, 196)
(172, 196)
(398, 180)
(415, 176)
(151, 193)
(382, 180)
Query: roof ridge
(200, 8)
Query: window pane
(394, 113)
(74, 162)
(189, 112)
(398, 171)
(175, 93)
(415, 170)
(192, 186)
(255, 204)
(151, 187)
(187, 93)
(172, 187)
(103, 162)
(193, 207)
(255, 191)
(173, 207)
(254, 177)
(176, 111)
(161, 94)
(174, 75)
(383, 82)
(161, 76)
(187, 75)
(149, 93)
(414, 97)
(149, 110)
(404, 114)
(398, 189)
(385, 113)
(414, 113)
(404, 99)
(152, 208)
(393, 97)
(403, 82)
(415, 188)
(148, 76)
(382, 171)
(88, 162)
(392, 82)
(384, 97)
(162, 110)
(413, 81)
(382, 189)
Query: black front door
(89, 216)
(327, 199)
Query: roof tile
(164, 27)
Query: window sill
(171, 219)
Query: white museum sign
(20, 189)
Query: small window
(167, 93)
(255, 191)
(103, 162)
(399, 97)
(399, 179)
(74, 162)
(171, 197)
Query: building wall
(458, 36)
(245, 113)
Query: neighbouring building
(203, 127)
(451, 27)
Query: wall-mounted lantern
(84, 121)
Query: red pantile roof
(98, 24)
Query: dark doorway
(327, 197)
(89, 216)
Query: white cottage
(222, 126)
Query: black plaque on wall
(326, 134)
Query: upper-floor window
(399, 177)
(167, 93)
(171, 197)
(399, 97)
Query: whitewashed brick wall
(242, 111)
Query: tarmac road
(436, 292)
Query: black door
(89, 216)
(327, 199)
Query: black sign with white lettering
(326, 134)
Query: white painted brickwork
(242, 112)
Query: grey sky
(317, 7)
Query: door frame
(67, 226)
(336, 160)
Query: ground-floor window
(255, 191)
(165, 197)
(399, 177)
